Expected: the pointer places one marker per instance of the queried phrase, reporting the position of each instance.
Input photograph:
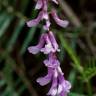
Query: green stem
(89, 88)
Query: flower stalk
(49, 46)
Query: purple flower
(62, 23)
(43, 14)
(34, 22)
(60, 86)
(51, 44)
(52, 64)
(47, 44)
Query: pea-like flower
(43, 14)
(47, 44)
(60, 86)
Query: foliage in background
(19, 69)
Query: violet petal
(64, 85)
(53, 41)
(48, 46)
(52, 61)
(36, 21)
(46, 79)
(38, 47)
(62, 23)
(53, 89)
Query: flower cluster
(48, 45)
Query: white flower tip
(66, 84)
(58, 50)
(56, 74)
(37, 7)
(28, 24)
(60, 88)
(52, 92)
(65, 23)
(55, 1)
(39, 4)
(45, 16)
(33, 50)
(42, 81)
(60, 71)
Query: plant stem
(89, 88)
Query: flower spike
(48, 45)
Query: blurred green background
(20, 69)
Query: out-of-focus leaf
(9, 92)
(5, 23)
(21, 89)
(15, 35)
(2, 83)
(7, 72)
(24, 5)
(72, 77)
(75, 94)
(27, 40)
(90, 70)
